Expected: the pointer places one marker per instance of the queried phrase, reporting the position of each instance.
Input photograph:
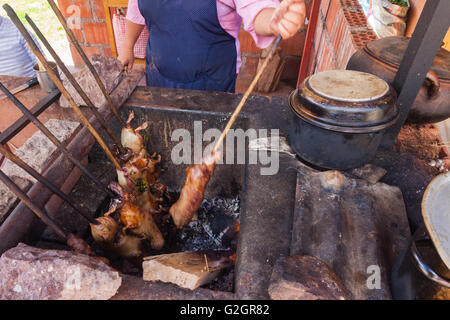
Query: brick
(99, 9)
(350, 3)
(63, 5)
(79, 35)
(85, 8)
(108, 52)
(331, 15)
(294, 46)
(96, 33)
(78, 62)
(291, 69)
(249, 66)
(247, 43)
(324, 7)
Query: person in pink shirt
(194, 43)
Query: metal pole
(53, 139)
(423, 46)
(77, 244)
(36, 210)
(74, 83)
(88, 63)
(9, 155)
(54, 77)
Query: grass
(43, 16)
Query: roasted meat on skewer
(191, 197)
(106, 234)
(135, 219)
(131, 138)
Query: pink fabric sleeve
(248, 10)
(133, 13)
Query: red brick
(85, 8)
(99, 9)
(107, 52)
(294, 46)
(290, 73)
(350, 3)
(96, 33)
(331, 15)
(247, 42)
(63, 5)
(78, 62)
(79, 35)
(324, 7)
(249, 66)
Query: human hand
(127, 59)
(288, 18)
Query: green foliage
(402, 3)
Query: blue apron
(188, 48)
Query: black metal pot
(339, 118)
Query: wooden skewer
(54, 77)
(74, 83)
(88, 63)
(247, 94)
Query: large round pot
(383, 57)
(339, 118)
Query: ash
(215, 228)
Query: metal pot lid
(346, 101)
(436, 214)
(391, 50)
(348, 86)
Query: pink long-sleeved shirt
(231, 13)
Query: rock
(30, 273)
(188, 270)
(108, 69)
(8, 200)
(39, 151)
(369, 172)
(304, 278)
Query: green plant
(402, 3)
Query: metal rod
(80, 51)
(36, 210)
(53, 139)
(74, 82)
(9, 155)
(247, 93)
(53, 76)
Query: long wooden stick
(74, 82)
(88, 63)
(247, 94)
(54, 77)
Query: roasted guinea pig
(131, 138)
(135, 219)
(106, 234)
(191, 197)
